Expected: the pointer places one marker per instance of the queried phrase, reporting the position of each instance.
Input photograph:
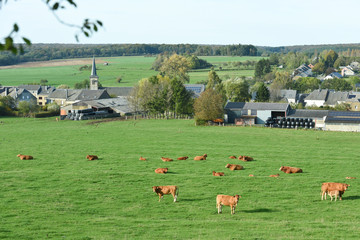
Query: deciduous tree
(209, 106)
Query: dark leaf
(16, 27)
(77, 38)
(99, 22)
(56, 6)
(87, 26)
(95, 28)
(72, 2)
(27, 41)
(86, 34)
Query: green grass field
(61, 195)
(131, 69)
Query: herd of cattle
(332, 189)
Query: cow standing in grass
(226, 200)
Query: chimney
(66, 94)
(6, 91)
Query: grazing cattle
(350, 177)
(232, 157)
(203, 157)
(142, 159)
(163, 190)
(182, 158)
(245, 158)
(161, 170)
(251, 175)
(275, 175)
(92, 157)
(25, 157)
(226, 200)
(286, 169)
(218, 174)
(233, 167)
(331, 186)
(334, 193)
(166, 159)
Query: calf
(163, 190)
(92, 157)
(25, 157)
(232, 157)
(161, 170)
(287, 169)
(218, 174)
(142, 159)
(350, 177)
(182, 158)
(226, 200)
(334, 193)
(245, 158)
(275, 175)
(233, 167)
(331, 186)
(166, 159)
(203, 157)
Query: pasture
(62, 195)
(131, 69)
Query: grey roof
(289, 94)
(197, 89)
(335, 75)
(93, 69)
(14, 92)
(119, 104)
(319, 94)
(343, 117)
(46, 90)
(257, 106)
(78, 94)
(335, 97)
(31, 87)
(118, 91)
(307, 113)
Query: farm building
(40, 92)
(254, 112)
(342, 121)
(69, 96)
(318, 116)
(19, 94)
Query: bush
(46, 114)
(200, 122)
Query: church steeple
(94, 79)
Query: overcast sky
(257, 22)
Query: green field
(131, 69)
(61, 195)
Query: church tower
(94, 79)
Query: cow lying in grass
(275, 175)
(350, 177)
(233, 167)
(163, 190)
(166, 159)
(25, 157)
(287, 169)
(226, 200)
(182, 158)
(232, 157)
(331, 186)
(217, 174)
(161, 170)
(245, 158)
(92, 157)
(203, 157)
(142, 159)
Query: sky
(257, 22)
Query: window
(27, 97)
(40, 103)
(40, 97)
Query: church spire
(93, 69)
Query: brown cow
(334, 193)
(233, 167)
(275, 175)
(142, 159)
(25, 157)
(161, 170)
(331, 186)
(232, 157)
(182, 158)
(218, 174)
(166, 159)
(163, 190)
(203, 157)
(226, 200)
(245, 158)
(251, 175)
(350, 177)
(92, 157)
(286, 169)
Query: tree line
(45, 52)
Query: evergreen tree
(262, 94)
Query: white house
(347, 71)
(317, 97)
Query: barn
(342, 121)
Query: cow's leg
(322, 196)
(160, 197)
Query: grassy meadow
(131, 69)
(61, 195)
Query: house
(354, 101)
(290, 96)
(343, 121)
(19, 94)
(302, 71)
(317, 97)
(347, 71)
(40, 92)
(69, 96)
(254, 112)
(118, 91)
(197, 89)
(335, 98)
(333, 75)
(355, 66)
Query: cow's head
(237, 197)
(154, 188)
(18, 155)
(346, 186)
(205, 155)
(282, 167)
(165, 169)
(227, 165)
